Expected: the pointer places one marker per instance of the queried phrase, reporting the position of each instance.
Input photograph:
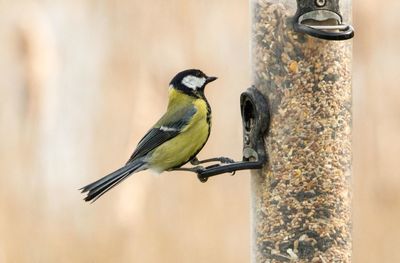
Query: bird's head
(191, 81)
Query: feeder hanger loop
(255, 118)
(321, 19)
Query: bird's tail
(101, 186)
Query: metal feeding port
(321, 19)
(255, 118)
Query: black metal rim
(345, 34)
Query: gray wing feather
(166, 131)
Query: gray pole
(301, 199)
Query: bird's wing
(169, 126)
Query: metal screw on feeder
(320, 3)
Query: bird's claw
(198, 169)
(202, 179)
(226, 160)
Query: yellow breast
(187, 144)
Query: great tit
(176, 138)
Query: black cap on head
(191, 81)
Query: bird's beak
(210, 79)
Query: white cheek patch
(193, 82)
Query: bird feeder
(301, 62)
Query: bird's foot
(196, 161)
(225, 160)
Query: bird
(174, 140)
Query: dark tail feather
(103, 185)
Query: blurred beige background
(82, 81)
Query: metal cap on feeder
(321, 19)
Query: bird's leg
(196, 161)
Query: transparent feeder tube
(301, 199)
